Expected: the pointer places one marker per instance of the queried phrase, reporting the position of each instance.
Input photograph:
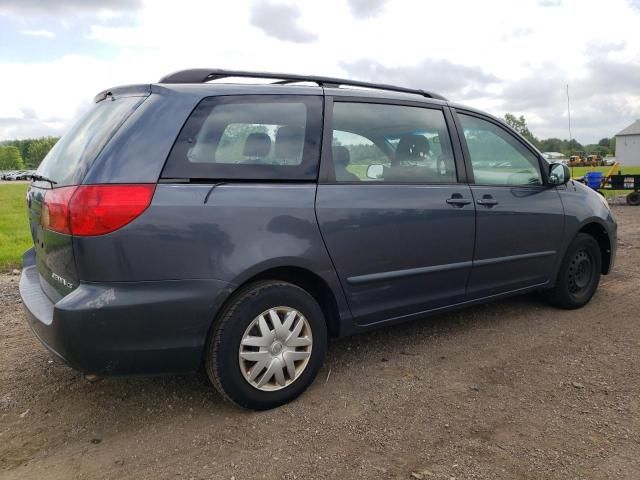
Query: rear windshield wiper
(41, 178)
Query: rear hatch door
(66, 165)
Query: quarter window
(497, 158)
(391, 143)
(250, 137)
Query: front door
(520, 219)
(397, 224)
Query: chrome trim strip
(375, 277)
(512, 258)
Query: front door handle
(487, 201)
(457, 200)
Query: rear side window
(69, 159)
(391, 143)
(252, 137)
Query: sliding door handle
(457, 200)
(487, 201)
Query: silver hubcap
(275, 348)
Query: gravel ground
(511, 390)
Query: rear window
(72, 155)
(252, 137)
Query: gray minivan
(236, 227)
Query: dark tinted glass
(253, 137)
(69, 159)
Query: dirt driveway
(511, 390)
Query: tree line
(25, 154)
(604, 147)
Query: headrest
(412, 147)
(289, 141)
(341, 155)
(258, 144)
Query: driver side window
(497, 158)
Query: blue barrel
(594, 179)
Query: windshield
(70, 158)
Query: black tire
(222, 360)
(633, 199)
(579, 274)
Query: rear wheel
(633, 199)
(579, 273)
(267, 346)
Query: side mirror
(374, 172)
(559, 174)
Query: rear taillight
(88, 210)
(55, 210)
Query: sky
(501, 56)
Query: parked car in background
(18, 175)
(12, 175)
(237, 227)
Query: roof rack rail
(202, 75)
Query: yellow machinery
(576, 161)
(607, 177)
(594, 160)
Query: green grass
(15, 238)
(577, 172)
(580, 171)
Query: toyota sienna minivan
(191, 223)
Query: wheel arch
(601, 235)
(304, 278)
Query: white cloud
(366, 8)
(39, 7)
(280, 21)
(105, 14)
(39, 33)
(527, 52)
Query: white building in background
(628, 145)
(555, 157)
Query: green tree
(37, 149)
(601, 150)
(10, 158)
(553, 145)
(519, 124)
(574, 146)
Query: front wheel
(579, 273)
(267, 346)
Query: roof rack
(202, 75)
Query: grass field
(15, 238)
(580, 171)
(577, 172)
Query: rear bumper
(125, 327)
